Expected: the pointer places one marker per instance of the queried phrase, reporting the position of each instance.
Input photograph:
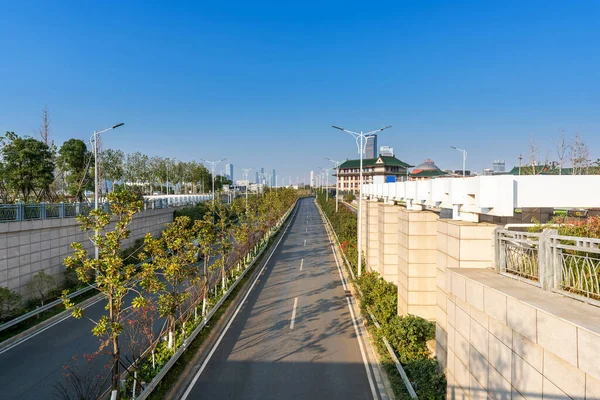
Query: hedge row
(408, 335)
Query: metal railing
(28, 212)
(568, 265)
(518, 255)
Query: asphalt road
(294, 336)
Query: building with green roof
(375, 170)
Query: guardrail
(43, 308)
(392, 353)
(149, 388)
(568, 265)
(27, 212)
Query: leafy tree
(172, 257)
(114, 278)
(9, 301)
(75, 159)
(28, 166)
(206, 237)
(224, 238)
(41, 285)
(112, 165)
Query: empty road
(294, 335)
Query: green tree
(173, 255)
(9, 302)
(206, 238)
(41, 285)
(28, 167)
(74, 159)
(112, 165)
(113, 276)
(224, 238)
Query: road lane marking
(304, 242)
(26, 338)
(356, 330)
(301, 264)
(294, 312)
(237, 310)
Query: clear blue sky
(262, 82)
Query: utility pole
(361, 143)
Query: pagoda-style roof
(387, 161)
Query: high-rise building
(386, 151)
(229, 172)
(371, 148)
(257, 180)
(499, 166)
(274, 179)
(312, 178)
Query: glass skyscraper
(371, 148)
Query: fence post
(20, 211)
(61, 209)
(557, 263)
(42, 210)
(545, 259)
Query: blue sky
(262, 82)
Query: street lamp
(246, 170)
(95, 137)
(464, 154)
(337, 180)
(213, 166)
(327, 182)
(361, 142)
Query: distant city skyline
(482, 76)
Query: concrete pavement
(295, 336)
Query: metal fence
(567, 265)
(27, 212)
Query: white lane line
(356, 330)
(294, 312)
(205, 363)
(304, 242)
(12, 346)
(306, 229)
(301, 264)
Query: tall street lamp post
(464, 154)
(337, 180)
(246, 170)
(94, 138)
(361, 142)
(213, 166)
(326, 182)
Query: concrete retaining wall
(28, 247)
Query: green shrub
(9, 303)
(350, 197)
(408, 336)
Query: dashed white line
(301, 264)
(294, 313)
(304, 242)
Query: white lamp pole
(246, 170)
(326, 182)
(361, 142)
(464, 154)
(337, 180)
(213, 166)
(96, 180)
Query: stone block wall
(28, 247)
(388, 242)
(372, 239)
(417, 263)
(510, 340)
